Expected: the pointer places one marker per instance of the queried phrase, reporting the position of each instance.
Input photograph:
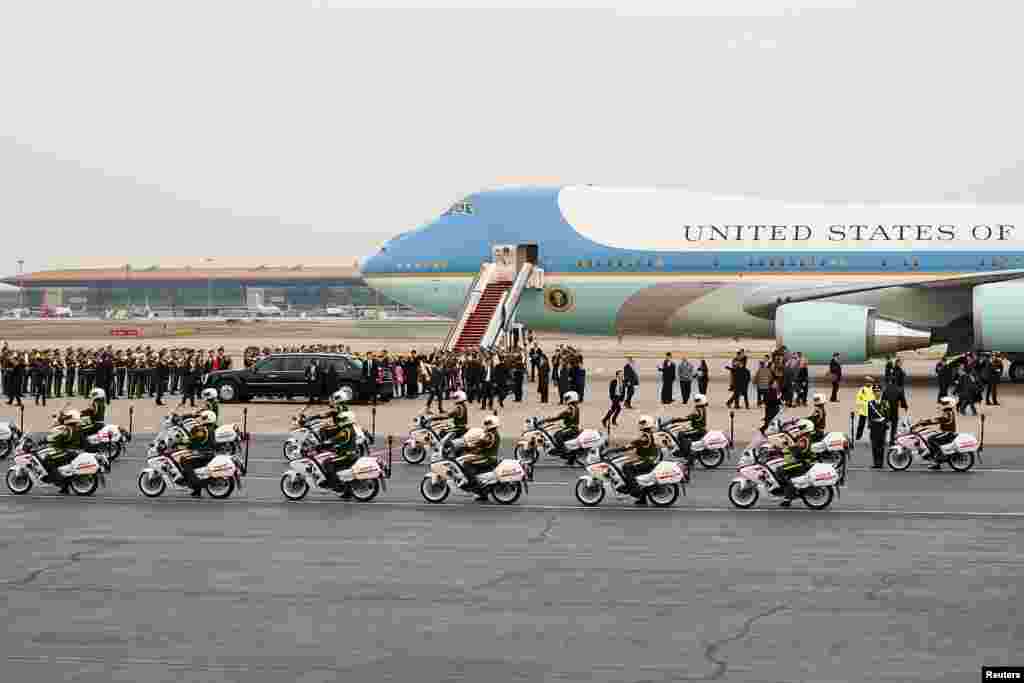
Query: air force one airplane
(862, 280)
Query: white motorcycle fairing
(712, 441)
(587, 440)
(663, 473)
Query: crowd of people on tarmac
(122, 373)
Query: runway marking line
(466, 505)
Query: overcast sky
(311, 127)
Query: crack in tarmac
(722, 665)
(72, 559)
(545, 534)
(887, 581)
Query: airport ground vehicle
(661, 486)
(538, 441)
(912, 442)
(284, 375)
(756, 473)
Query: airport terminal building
(208, 286)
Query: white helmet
(819, 399)
(700, 400)
(492, 422)
(209, 394)
(98, 394)
(343, 395)
(645, 423)
(474, 436)
(571, 397)
(459, 397)
(947, 402)
(208, 417)
(804, 427)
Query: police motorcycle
(757, 472)
(304, 437)
(174, 427)
(912, 442)
(104, 436)
(83, 475)
(426, 435)
(10, 435)
(709, 451)
(506, 483)
(364, 480)
(537, 441)
(220, 477)
(661, 486)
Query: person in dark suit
(835, 371)
(616, 392)
(312, 376)
(543, 376)
(500, 378)
(893, 398)
(668, 378)
(632, 380)
(17, 381)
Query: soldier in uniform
(482, 455)
(643, 459)
(345, 453)
(200, 450)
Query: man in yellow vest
(865, 395)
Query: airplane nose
(373, 263)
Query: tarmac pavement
(909, 576)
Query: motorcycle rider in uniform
(570, 419)
(200, 450)
(211, 403)
(697, 425)
(336, 406)
(797, 459)
(946, 421)
(96, 412)
(65, 440)
(459, 415)
(642, 460)
(345, 453)
(818, 418)
(482, 456)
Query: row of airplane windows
(751, 262)
(792, 262)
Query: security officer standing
(878, 424)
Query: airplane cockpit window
(460, 208)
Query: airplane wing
(763, 301)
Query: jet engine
(999, 317)
(856, 333)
